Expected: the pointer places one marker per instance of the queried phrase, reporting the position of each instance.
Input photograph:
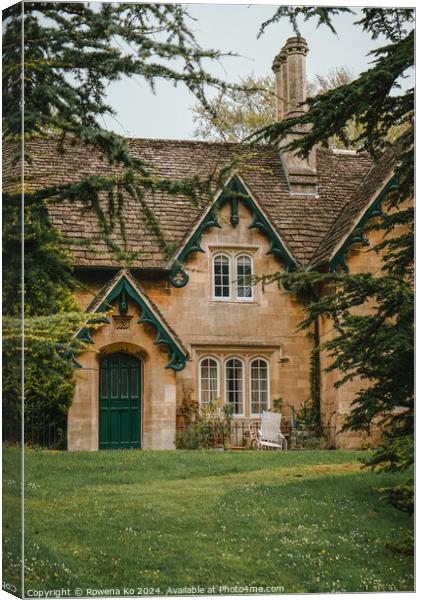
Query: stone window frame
(247, 355)
(233, 258)
(250, 364)
(228, 257)
(218, 377)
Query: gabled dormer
(234, 193)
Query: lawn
(302, 521)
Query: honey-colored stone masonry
(337, 402)
(265, 327)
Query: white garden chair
(267, 435)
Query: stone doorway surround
(130, 323)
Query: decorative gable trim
(124, 286)
(233, 192)
(356, 235)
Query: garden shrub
(211, 428)
(50, 312)
(190, 438)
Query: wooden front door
(119, 401)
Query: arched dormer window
(221, 277)
(208, 380)
(234, 385)
(259, 386)
(244, 268)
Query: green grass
(306, 521)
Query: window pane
(114, 382)
(104, 383)
(259, 386)
(134, 382)
(244, 273)
(234, 385)
(124, 383)
(221, 276)
(125, 360)
(208, 380)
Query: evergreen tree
(71, 52)
(378, 345)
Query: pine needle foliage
(372, 313)
(72, 51)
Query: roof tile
(302, 222)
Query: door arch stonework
(159, 385)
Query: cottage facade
(188, 321)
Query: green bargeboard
(119, 402)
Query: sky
(167, 114)
(234, 28)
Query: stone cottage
(191, 322)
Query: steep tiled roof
(371, 185)
(301, 221)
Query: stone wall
(337, 402)
(265, 327)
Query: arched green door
(119, 401)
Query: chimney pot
(279, 68)
(296, 50)
(289, 67)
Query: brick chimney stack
(289, 67)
